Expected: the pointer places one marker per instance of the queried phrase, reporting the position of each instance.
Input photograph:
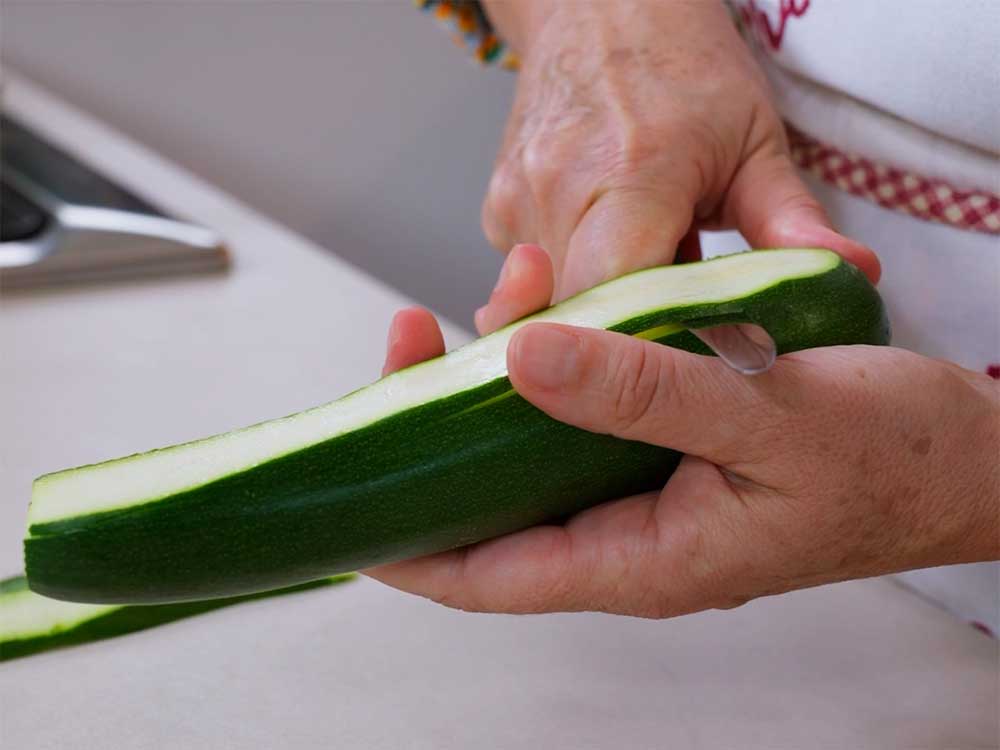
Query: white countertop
(96, 372)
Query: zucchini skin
(442, 475)
(129, 619)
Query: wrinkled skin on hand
(634, 124)
(839, 463)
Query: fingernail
(546, 357)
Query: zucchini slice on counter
(30, 623)
(430, 458)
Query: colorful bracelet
(471, 29)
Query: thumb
(772, 207)
(635, 389)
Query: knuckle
(735, 601)
(638, 146)
(453, 589)
(451, 600)
(492, 229)
(630, 150)
(635, 148)
(552, 597)
(561, 588)
(454, 596)
(499, 211)
(798, 201)
(714, 163)
(655, 606)
(504, 191)
(542, 160)
(635, 378)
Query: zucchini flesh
(30, 623)
(433, 457)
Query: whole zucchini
(436, 456)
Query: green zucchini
(30, 623)
(438, 455)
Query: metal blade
(745, 347)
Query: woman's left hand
(634, 124)
(839, 463)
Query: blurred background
(358, 124)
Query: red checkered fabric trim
(897, 189)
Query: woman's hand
(635, 123)
(839, 463)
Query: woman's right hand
(842, 462)
(634, 124)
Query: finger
(639, 390)
(651, 555)
(507, 195)
(508, 211)
(524, 286)
(542, 569)
(497, 215)
(414, 335)
(624, 230)
(772, 207)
